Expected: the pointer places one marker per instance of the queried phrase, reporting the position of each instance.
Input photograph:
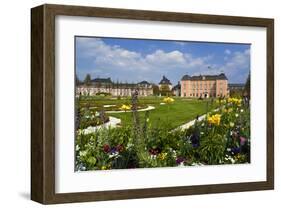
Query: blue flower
(195, 139)
(235, 150)
(113, 150)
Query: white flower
(129, 145)
(79, 132)
(83, 153)
(114, 155)
(153, 157)
(241, 110)
(181, 164)
(236, 115)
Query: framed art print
(135, 104)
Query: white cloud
(131, 64)
(128, 65)
(160, 57)
(237, 66)
(227, 51)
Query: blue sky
(135, 60)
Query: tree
(87, 80)
(77, 81)
(247, 88)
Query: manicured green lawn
(174, 114)
(179, 112)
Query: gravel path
(111, 123)
(191, 123)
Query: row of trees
(87, 80)
(242, 92)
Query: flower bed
(88, 117)
(117, 107)
(223, 137)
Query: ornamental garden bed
(223, 137)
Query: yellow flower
(125, 107)
(228, 110)
(235, 101)
(168, 100)
(231, 124)
(162, 155)
(103, 167)
(214, 119)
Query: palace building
(204, 86)
(165, 83)
(106, 86)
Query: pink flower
(242, 140)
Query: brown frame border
(43, 103)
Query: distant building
(236, 86)
(106, 86)
(165, 82)
(204, 86)
(177, 90)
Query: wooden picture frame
(43, 103)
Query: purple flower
(179, 160)
(235, 150)
(195, 139)
(242, 140)
(113, 150)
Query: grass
(179, 112)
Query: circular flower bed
(89, 117)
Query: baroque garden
(202, 120)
